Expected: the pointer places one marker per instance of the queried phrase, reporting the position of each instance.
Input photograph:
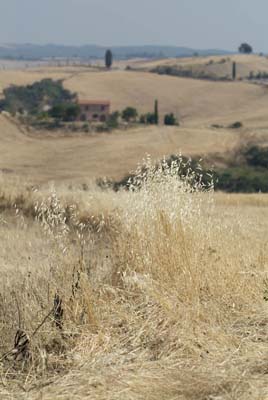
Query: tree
(170, 119)
(156, 115)
(150, 118)
(234, 71)
(113, 120)
(129, 113)
(245, 48)
(108, 59)
(32, 99)
(65, 112)
(58, 111)
(72, 112)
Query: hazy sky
(193, 23)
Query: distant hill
(38, 52)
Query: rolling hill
(82, 158)
(198, 104)
(215, 67)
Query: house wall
(94, 112)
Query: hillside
(197, 103)
(194, 102)
(155, 293)
(84, 158)
(214, 66)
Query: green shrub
(242, 180)
(170, 119)
(143, 119)
(65, 112)
(186, 168)
(129, 114)
(112, 121)
(150, 118)
(257, 156)
(236, 125)
(217, 126)
(249, 175)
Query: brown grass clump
(169, 305)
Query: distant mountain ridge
(38, 52)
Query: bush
(170, 119)
(187, 73)
(150, 118)
(112, 121)
(242, 180)
(65, 112)
(256, 156)
(217, 126)
(249, 174)
(143, 119)
(236, 125)
(186, 169)
(129, 114)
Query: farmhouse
(94, 110)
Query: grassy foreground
(158, 293)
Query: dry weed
(169, 305)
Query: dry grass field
(162, 294)
(197, 104)
(157, 293)
(81, 158)
(218, 65)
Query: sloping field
(112, 155)
(195, 102)
(217, 65)
(156, 294)
(23, 77)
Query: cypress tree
(156, 114)
(234, 71)
(108, 59)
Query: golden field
(163, 293)
(197, 104)
(82, 158)
(218, 65)
(157, 293)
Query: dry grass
(161, 291)
(198, 104)
(213, 64)
(80, 158)
(167, 303)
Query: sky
(193, 23)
